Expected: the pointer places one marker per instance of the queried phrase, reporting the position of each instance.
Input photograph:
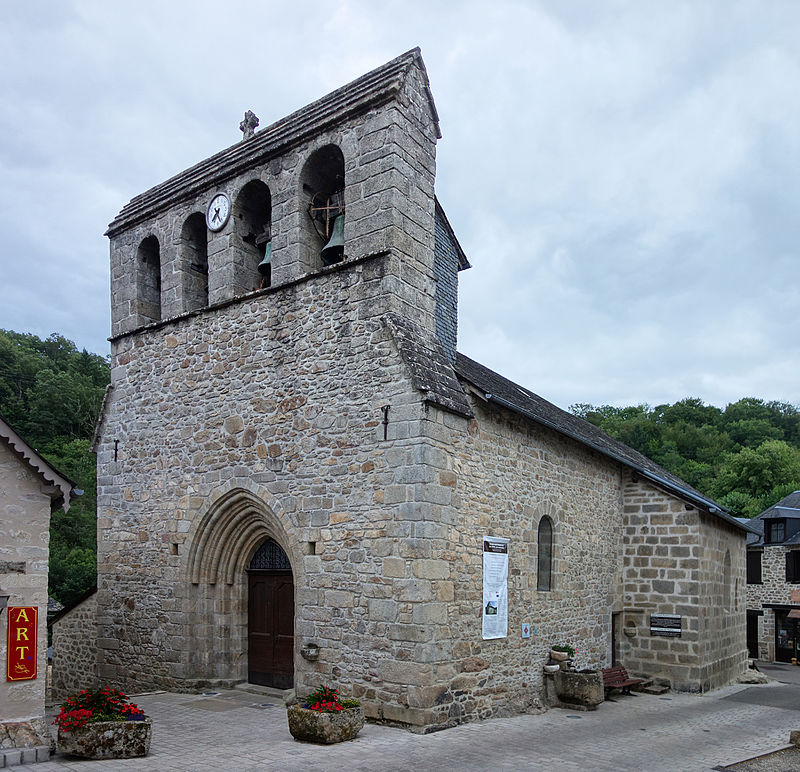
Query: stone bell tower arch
(241, 570)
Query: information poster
(495, 587)
(21, 652)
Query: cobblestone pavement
(787, 760)
(240, 731)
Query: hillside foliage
(746, 456)
(51, 393)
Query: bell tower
(283, 319)
(347, 177)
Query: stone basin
(316, 727)
(579, 688)
(107, 739)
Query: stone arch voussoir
(240, 517)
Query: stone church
(297, 473)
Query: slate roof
(377, 87)
(62, 490)
(788, 507)
(64, 610)
(511, 396)
(463, 263)
(430, 371)
(755, 530)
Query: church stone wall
(498, 475)
(723, 602)
(280, 396)
(75, 650)
(675, 560)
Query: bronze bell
(333, 251)
(265, 267)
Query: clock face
(219, 210)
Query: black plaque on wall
(666, 625)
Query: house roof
(788, 507)
(748, 525)
(377, 87)
(755, 530)
(64, 610)
(507, 394)
(61, 489)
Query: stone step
(279, 696)
(653, 688)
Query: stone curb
(13, 757)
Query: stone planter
(312, 726)
(107, 739)
(558, 656)
(579, 689)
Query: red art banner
(21, 653)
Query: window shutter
(793, 566)
(753, 567)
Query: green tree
(690, 411)
(757, 471)
(738, 504)
(745, 456)
(752, 432)
(51, 393)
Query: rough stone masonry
(329, 412)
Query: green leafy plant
(326, 700)
(564, 647)
(91, 705)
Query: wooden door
(787, 637)
(270, 629)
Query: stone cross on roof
(248, 125)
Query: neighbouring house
(30, 488)
(773, 582)
(300, 481)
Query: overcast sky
(623, 176)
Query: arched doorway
(270, 618)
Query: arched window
(322, 194)
(194, 262)
(148, 269)
(269, 557)
(727, 582)
(544, 564)
(252, 216)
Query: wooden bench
(618, 678)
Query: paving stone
(682, 732)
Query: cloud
(622, 175)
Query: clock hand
(216, 215)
